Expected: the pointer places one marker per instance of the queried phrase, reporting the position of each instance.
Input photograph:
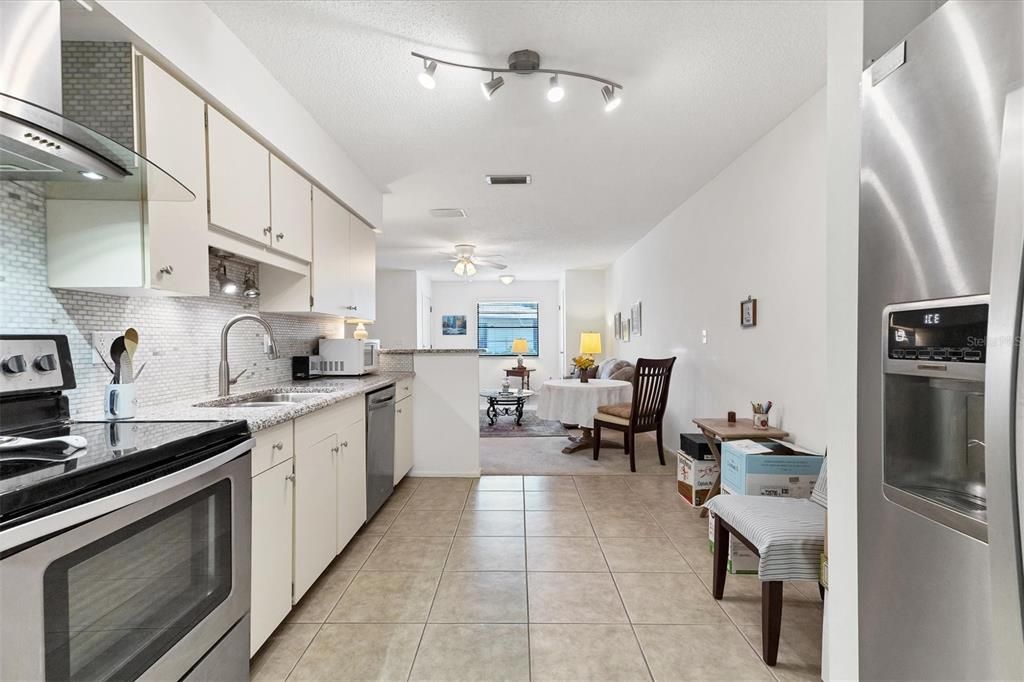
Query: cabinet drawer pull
(290, 477)
(398, 411)
(280, 236)
(279, 445)
(167, 270)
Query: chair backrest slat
(650, 391)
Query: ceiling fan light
(460, 268)
(556, 93)
(491, 86)
(507, 279)
(612, 100)
(426, 78)
(470, 268)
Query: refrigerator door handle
(1004, 458)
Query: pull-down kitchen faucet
(225, 381)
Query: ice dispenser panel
(934, 414)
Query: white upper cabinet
(362, 269)
(291, 211)
(330, 272)
(148, 247)
(239, 180)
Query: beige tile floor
(536, 577)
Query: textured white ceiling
(703, 80)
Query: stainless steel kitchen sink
(271, 399)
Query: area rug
(531, 427)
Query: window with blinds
(501, 322)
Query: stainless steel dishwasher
(380, 448)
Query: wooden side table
(720, 430)
(523, 373)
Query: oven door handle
(68, 518)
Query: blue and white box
(768, 467)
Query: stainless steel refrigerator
(941, 376)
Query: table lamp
(590, 343)
(520, 346)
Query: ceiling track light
(611, 99)
(491, 86)
(556, 93)
(427, 77)
(523, 63)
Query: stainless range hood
(38, 144)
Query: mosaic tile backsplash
(179, 337)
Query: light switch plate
(704, 336)
(101, 346)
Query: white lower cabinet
(316, 495)
(351, 482)
(272, 498)
(403, 437)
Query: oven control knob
(14, 364)
(46, 363)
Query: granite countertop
(418, 351)
(329, 390)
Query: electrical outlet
(101, 346)
(704, 336)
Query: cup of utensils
(120, 399)
(760, 416)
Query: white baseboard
(443, 474)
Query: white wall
(194, 44)
(845, 37)
(758, 228)
(460, 298)
(584, 311)
(397, 324)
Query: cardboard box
(767, 467)
(694, 477)
(741, 560)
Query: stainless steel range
(124, 547)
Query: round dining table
(571, 401)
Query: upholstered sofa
(612, 368)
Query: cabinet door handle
(345, 444)
(398, 411)
(290, 477)
(351, 307)
(335, 449)
(280, 236)
(279, 445)
(167, 270)
(267, 230)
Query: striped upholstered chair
(788, 536)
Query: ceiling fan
(466, 261)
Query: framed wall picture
(636, 320)
(626, 331)
(618, 325)
(748, 312)
(453, 325)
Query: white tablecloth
(573, 402)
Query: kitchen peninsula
(446, 417)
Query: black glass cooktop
(40, 475)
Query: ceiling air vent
(448, 212)
(508, 179)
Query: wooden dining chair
(644, 413)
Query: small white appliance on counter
(348, 357)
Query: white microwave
(348, 357)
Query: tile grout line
(622, 601)
(437, 587)
(357, 572)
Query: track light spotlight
(249, 288)
(491, 86)
(427, 77)
(555, 91)
(612, 100)
(226, 284)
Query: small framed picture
(636, 320)
(748, 312)
(626, 330)
(618, 325)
